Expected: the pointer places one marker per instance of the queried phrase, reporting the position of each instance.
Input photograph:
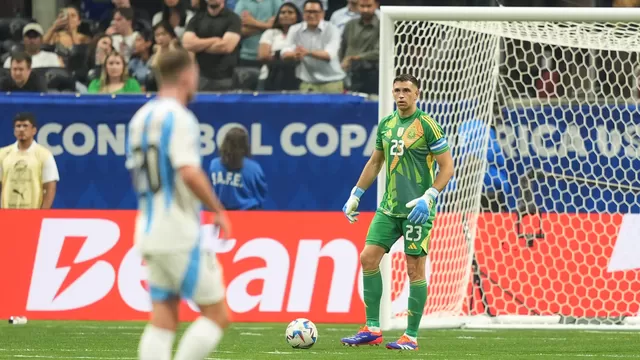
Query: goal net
(540, 226)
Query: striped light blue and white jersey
(163, 137)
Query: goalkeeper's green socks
(417, 300)
(372, 281)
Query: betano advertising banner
(281, 265)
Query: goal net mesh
(545, 134)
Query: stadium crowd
(268, 45)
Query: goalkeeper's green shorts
(385, 230)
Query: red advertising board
(282, 265)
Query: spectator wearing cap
(315, 43)
(32, 39)
(213, 35)
(22, 79)
(64, 31)
(124, 37)
(107, 18)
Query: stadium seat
(93, 74)
(10, 45)
(59, 79)
(89, 27)
(246, 78)
(77, 62)
(16, 26)
(4, 73)
(5, 29)
(150, 84)
(4, 58)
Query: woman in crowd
(139, 65)
(176, 13)
(165, 39)
(238, 180)
(114, 78)
(64, 31)
(272, 41)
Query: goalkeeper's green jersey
(409, 146)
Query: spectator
(315, 43)
(139, 66)
(100, 49)
(359, 50)
(238, 180)
(107, 18)
(165, 38)
(28, 170)
(124, 37)
(342, 16)
(257, 16)
(174, 12)
(300, 4)
(32, 39)
(64, 31)
(272, 42)
(22, 78)
(114, 79)
(213, 35)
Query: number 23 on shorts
(416, 238)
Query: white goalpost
(540, 105)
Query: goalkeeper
(409, 142)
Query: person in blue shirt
(237, 179)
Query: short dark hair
(313, 2)
(234, 148)
(171, 64)
(407, 77)
(25, 116)
(20, 56)
(126, 13)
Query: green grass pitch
(118, 340)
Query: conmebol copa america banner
(312, 148)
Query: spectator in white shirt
(274, 40)
(124, 38)
(32, 39)
(342, 16)
(176, 13)
(315, 43)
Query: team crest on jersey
(400, 131)
(411, 134)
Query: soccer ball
(301, 334)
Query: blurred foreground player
(163, 155)
(409, 142)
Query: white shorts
(195, 275)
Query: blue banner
(580, 158)
(311, 147)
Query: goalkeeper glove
(351, 205)
(422, 206)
